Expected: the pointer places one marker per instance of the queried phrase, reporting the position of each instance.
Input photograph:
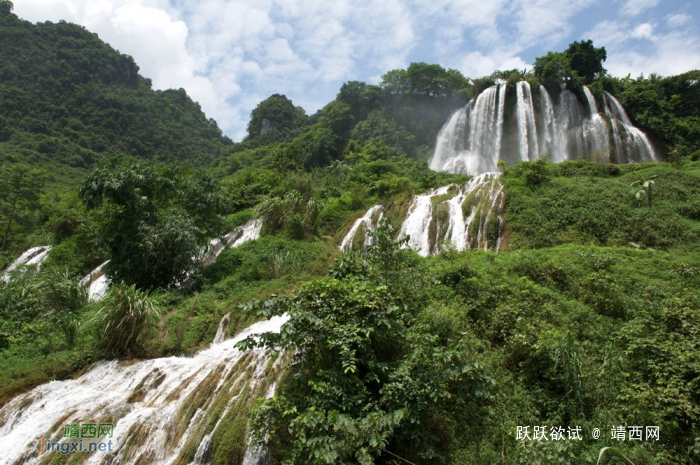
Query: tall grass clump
(64, 297)
(125, 314)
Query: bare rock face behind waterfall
(521, 124)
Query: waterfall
(499, 121)
(596, 129)
(477, 136)
(164, 410)
(97, 282)
(222, 329)
(241, 234)
(368, 222)
(416, 224)
(460, 217)
(435, 222)
(636, 145)
(449, 142)
(549, 131)
(33, 256)
(526, 122)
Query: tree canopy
(154, 222)
(422, 79)
(586, 60)
(68, 98)
(580, 64)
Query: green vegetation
(69, 99)
(596, 204)
(366, 377)
(124, 314)
(580, 64)
(572, 336)
(153, 222)
(20, 186)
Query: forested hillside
(69, 98)
(570, 300)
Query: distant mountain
(68, 97)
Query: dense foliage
(580, 64)
(366, 378)
(20, 186)
(154, 222)
(69, 98)
(276, 117)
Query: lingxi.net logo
(98, 436)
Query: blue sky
(231, 54)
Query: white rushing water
(96, 282)
(247, 232)
(461, 217)
(33, 256)
(368, 222)
(477, 136)
(163, 410)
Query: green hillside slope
(66, 97)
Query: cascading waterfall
(368, 222)
(244, 233)
(97, 283)
(164, 410)
(416, 224)
(457, 153)
(33, 256)
(631, 142)
(526, 122)
(461, 217)
(596, 129)
(513, 125)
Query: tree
(362, 98)
(154, 222)
(553, 69)
(586, 60)
(20, 186)
(425, 80)
(6, 7)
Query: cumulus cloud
(476, 64)
(668, 53)
(545, 21)
(643, 31)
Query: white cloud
(609, 33)
(475, 64)
(665, 54)
(643, 31)
(635, 7)
(545, 21)
(677, 20)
